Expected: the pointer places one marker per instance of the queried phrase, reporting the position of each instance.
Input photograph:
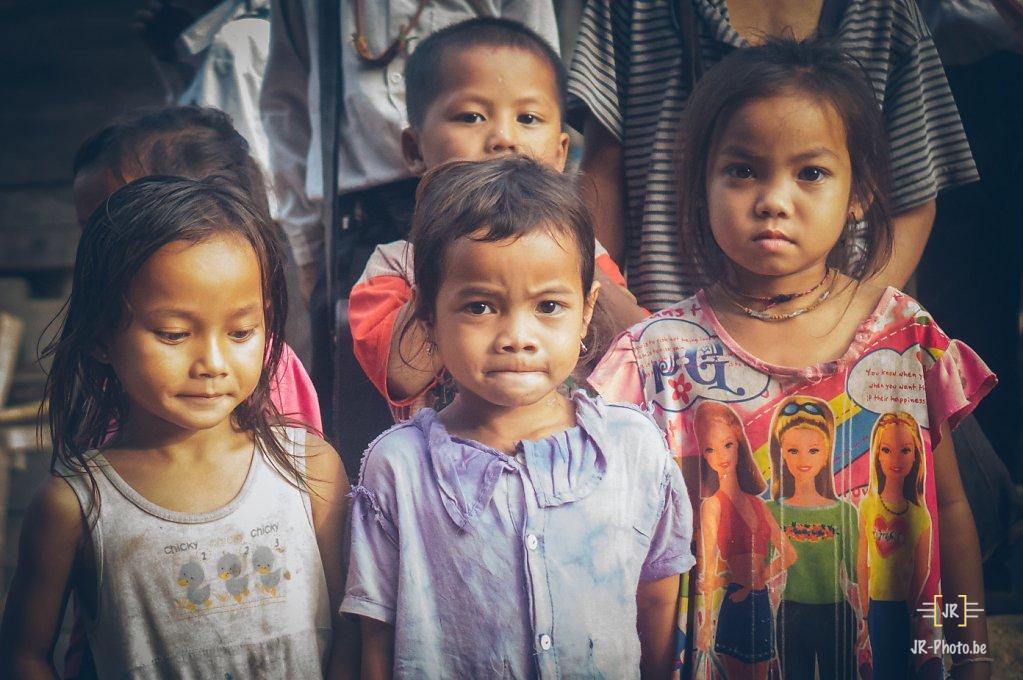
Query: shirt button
(395, 78)
(545, 642)
(532, 541)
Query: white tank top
(235, 593)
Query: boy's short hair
(424, 70)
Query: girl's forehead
(789, 118)
(198, 271)
(539, 254)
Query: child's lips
(772, 240)
(772, 235)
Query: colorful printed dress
(884, 400)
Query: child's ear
(562, 152)
(411, 151)
(589, 304)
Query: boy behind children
(478, 89)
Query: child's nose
(211, 361)
(516, 336)
(774, 200)
(502, 140)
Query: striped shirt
(629, 72)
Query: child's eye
(549, 307)
(470, 117)
(739, 171)
(478, 308)
(171, 336)
(240, 335)
(529, 119)
(813, 174)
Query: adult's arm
(602, 185)
(911, 230)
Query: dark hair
(186, 141)
(86, 400)
(487, 201)
(779, 66)
(426, 66)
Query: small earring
(582, 347)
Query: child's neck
(503, 427)
(759, 286)
(165, 440)
(823, 333)
(195, 471)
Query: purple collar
(563, 468)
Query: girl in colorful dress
(200, 533)
(895, 539)
(816, 624)
(783, 192)
(739, 540)
(518, 532)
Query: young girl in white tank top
(200, 534)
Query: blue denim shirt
(490, 566)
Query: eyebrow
(739, 151)
(476, 98)
(475, 290)
(188, 314)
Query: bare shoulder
(55, 514)
(857, 301)
(326, 474)
(866, 297)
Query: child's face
(719, 446)
(510, 316)
(805, 452)
(193, 349)
(896, 452)
(91, 187)
(496, 101)
(778, 186)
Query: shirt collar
(562, 468)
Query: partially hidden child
(809, 410)
(199, 529)
(478, 89)
(518, 532)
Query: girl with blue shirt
(519, 532)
